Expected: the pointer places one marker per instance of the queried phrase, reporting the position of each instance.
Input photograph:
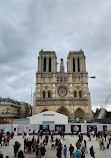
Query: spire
(62, 65)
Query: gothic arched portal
(63, 110)
(44, 110)
(79, 113)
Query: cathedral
(63, 92)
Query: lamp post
(92, 77)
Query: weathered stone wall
(63, 92)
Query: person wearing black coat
(47, 138)
(71, 149)
(20, 154)
(37, 150)
(1, 155)
(16, 147)
(29, 144)
(43, 150)
(92, 152)
(59, 151)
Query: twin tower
(63, 92)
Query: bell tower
(47, 62)
(76, 62)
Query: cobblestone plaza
(51, 153)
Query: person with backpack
(78, 153)
(71, 149)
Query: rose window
(62, 92)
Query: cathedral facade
(63, 92)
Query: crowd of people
(78, 150)
(5, 139)
(37, 145)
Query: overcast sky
(27, 26)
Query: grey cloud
(28, 26)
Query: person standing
(85, 145)
(16, 148)
(38, 141)
(1, 140)
(100, 143)
(43, 150)
(78, 144)
(1, 155)
(109, 138)
(33, 132)
(63, 134)
(47, 138)
(59, 151)
(65, 151)
(71, 149)
(23, 135)
(20, 154)
(78, 153)
(103, 144)
(92, 152)
(12, 134)
(29, 143)
(34, 146)
(37, 145)
(72, 132)
(83, 153)
(105, 135)
(38, 151)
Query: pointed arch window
(49, 94)
(80, 94)
(75, 94)
(43, 94)
(50, 64)
(78, 63)
(73, 65)
(45, 64)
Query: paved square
(50, 153)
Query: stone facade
(25, 110)
(9, 108)
(63, 92)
